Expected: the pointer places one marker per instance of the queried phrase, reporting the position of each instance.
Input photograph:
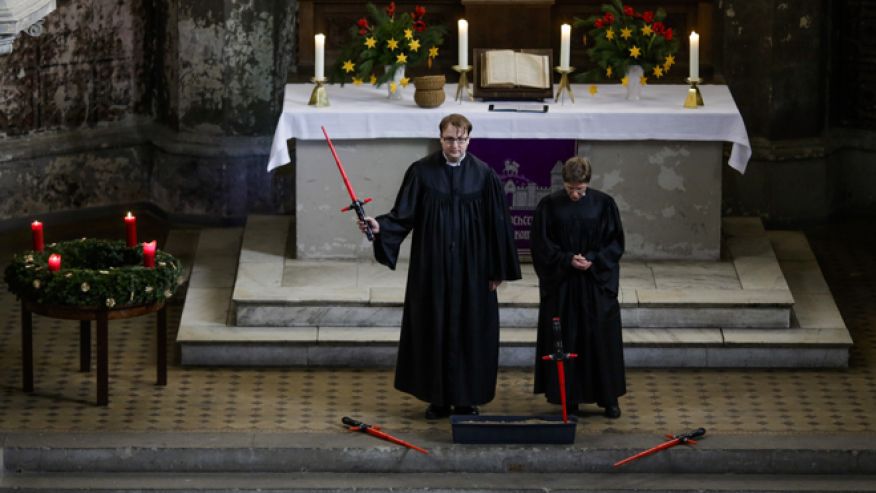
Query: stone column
(222, 67)
(774, 58)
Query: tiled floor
(289, 399)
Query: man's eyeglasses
(454, 140)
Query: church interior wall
(178, 100)
(856, 182)
(789, 71)
(162, 102)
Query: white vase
(634, 85)
(396, 78)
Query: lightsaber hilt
(354, 425)
(690, 436)
(559, 354)
(359, 207)
(558, 338)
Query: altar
(660, 161)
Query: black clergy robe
(462, 238)
(585, 301)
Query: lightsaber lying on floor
(684, 438)
(375, 431)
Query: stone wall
(86, 73)
(219, 72)
(173, 103)
(146, 101)
(806, 166)
(223, 65)
(87, 69)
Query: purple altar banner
(529, 170)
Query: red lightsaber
(375, 431)
(559, 356)
(684, 438)
(357, 205)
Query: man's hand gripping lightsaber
(357, 205)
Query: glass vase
(396, 78)
(634, 85)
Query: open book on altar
(512, 75)
(508, 68)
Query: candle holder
(319, 96)
(463, 83)
(564, 83)
(696, 99)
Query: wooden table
(85, 316)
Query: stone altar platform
(764, 304)
(660, 161)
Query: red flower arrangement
(623, 37)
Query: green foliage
(615, 52)
(94, 273)
(383, 27)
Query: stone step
(369, 347)
(274, 291)
(344, 452)
(748, 290)
(420, 482)
(783, 316)
(770, 312)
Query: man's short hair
(577, 170)
(457, 121)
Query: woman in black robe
(462, 249)
(577, 242)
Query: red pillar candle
(36, 229)
(149, 254)
(131, 229)
(54, 262)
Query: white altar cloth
(364, 112)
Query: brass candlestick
(694, 98)
(564, 83)
(463, 82)
(319, 96)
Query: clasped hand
(580, 262)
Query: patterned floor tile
(309, 399)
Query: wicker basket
(429, 99)
(429, 82)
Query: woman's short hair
(577, 170)
(457, 121)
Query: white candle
(565, 35)
(463, 43)
(319, 56)
(694, 55)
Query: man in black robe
(462, 249)
(577, 242)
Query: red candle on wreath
(149, 254)
(54, 262)
(36, 229)
(131, 229)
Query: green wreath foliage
(94, 273)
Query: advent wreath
(94, 274)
